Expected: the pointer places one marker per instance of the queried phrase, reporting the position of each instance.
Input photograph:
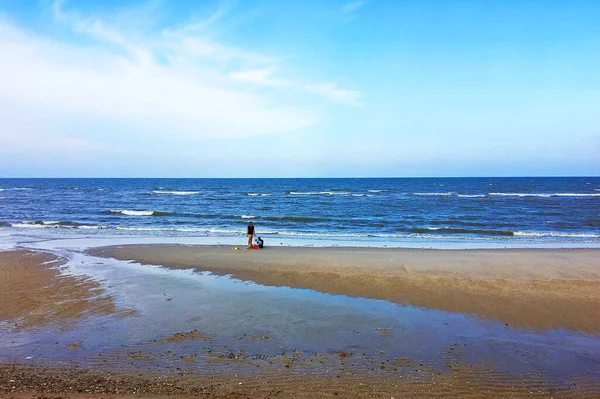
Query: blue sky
(299, 88)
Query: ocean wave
(329, 193)
(471, 195)
(175, 192)
(544, 195)
(247, 217)
(202, 230)
(445, 194)
(56, 224)
(138, 213)
(555, 234)
(455, 230)
(296, 218)
(258, 194)
(376, 191)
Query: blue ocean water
(510, 210)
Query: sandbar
(523, 288)
(34, 293)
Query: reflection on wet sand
(199, 334)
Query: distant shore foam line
(176, 192)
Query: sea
(409, 212)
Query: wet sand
(34, 294)
(44, 382)
(528, 288)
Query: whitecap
(258, 194)
(55, 225)
(247, 217)
(446, 194)
(471, 195)
(176, 192)
(376, 191)
(555, 234)
(545, 195)
(132, 213)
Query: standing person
(250, 234)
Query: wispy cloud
(353, 6)
(333, 92)
(172, 83)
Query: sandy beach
(539, 288)
(528, 288)
(34, 294)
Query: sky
(286, 88)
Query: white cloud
(115, 83)
(332, 91)
(262, 77)
(352, 6)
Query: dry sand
(33, 293)
(529, 288)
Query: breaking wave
(139, 213)
(454, 230)
(175, 192)
(544, 195)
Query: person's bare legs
(250, 240)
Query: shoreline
(525, 288)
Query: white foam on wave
(132, 213)
(446, 194)
(202, 230)
(471, 195)
(247, 217)
(376, 191)
(545, 195)
(329, 193)
(258, 194)
(555, 234)
(176, 192)
(55, 225)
